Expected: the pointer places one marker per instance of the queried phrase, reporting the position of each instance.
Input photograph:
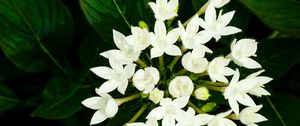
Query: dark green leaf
(61, 99)
(7, 98)
(281, 15)
(278, 55)
(28, 25)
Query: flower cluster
(173, 91)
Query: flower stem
(161, 63)
(215, 88)
(173, 63)
(213, 83)
(141, 63)
(233, 117)
(200, 12)
(198, 110)
(181, 72)
(129, 98)
(122, 14)
(276, 111)
(138, 114)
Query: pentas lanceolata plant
(173, 94)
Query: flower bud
(202, 93)
(143, 24)
(208, 107)
(181, 86)
(156, 95)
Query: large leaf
(61, 99)
(28, 28)
(278, 55)
(281, 15)
(7, 98)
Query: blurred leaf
(278, 55)
(287, 107)
(30, 25)
(7, 98)
(281, 15)
(61, 99)
(197, 4)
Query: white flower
(242, 50)
(237, 92)
(258, 89)
(194, 61)
(126, 53)
(249, 117)
(167, 110)
(105, 105)
(217, 69)
(145, 80)
(164, 10)
(219, 3)
(140, 38)
(188, 118)
(217, 27)
(190, 36)
(117, 77)
(217, 120)
(181, 86)
(163, 42)
(202, 93)
(149, 122)
(156, 95)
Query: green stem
(138, 114)
(198, 110)
(183, 71)
(121, 13)
(273, 35)
(175, 60)
(161, 63)
(233, 117)
(141, 63)
(215, 88)
(129, 98)
(276, 111)
(213, 83)
(200, 12)
(39, 40)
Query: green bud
(143, 24)
(144, 95)
(208, 107)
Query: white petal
(263, 79)
(103, 72)
(160, 29)
(259, 92)
(157, 113)
(229, 30)
(173, 36)
(235, 77)
(98, 117)
(224, 114)
(181, 102)
(250, 63)
(156, 52)
(168, 121)
(227, 122)
(226, 18)
(228, 71)
(123, 86)
(173, 4)
(210, 14)
(246, 84)
(111, 108)
(92, 103)
(193, 25)
(107, 87)
(129, 69)
(119, 39)
(234, 105)
(203, 37)
(205, 118)
(259, 118)
(173, 50)
(246, 100)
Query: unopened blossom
(125, 54)
(145, 80)
(217, 69)
(149, 122)
(194, 61)
(258, 89)
(140, 38)
(188, 118)
(219, 3)
(202, 93)
(167, 110)
(217, 120)
(156, 95)
(181, 86)
(190, 36)
(217, 26)
(249, 116)
(106, 107)
(117, 76)
(163, 42)
(164, 10)
(237, 92)
(242, 50)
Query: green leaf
(278, 55)
(30, 28)
(7, 98)
(281, 15)
(287, 107)
(61, 99)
